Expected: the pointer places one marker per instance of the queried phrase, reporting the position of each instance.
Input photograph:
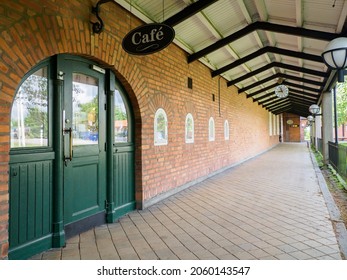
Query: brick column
(3, 222)
(4, 194)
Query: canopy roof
(256, 44)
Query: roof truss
(267, 26)
(282, 43)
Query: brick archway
(31, 39)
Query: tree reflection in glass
(120, 119)
(29, 117)
(85, 108)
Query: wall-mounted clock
(281, 91)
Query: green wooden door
(31, 165)
(84, 145)
(123, 154)
(72, 154)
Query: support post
(110, 213)
(327, 123)
(58, 202)
(318, 128)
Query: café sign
(148, 39)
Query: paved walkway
(270, 207)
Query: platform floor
(269, 207)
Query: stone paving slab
(270, 207)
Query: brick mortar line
(160, 197)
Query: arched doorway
(72, 154)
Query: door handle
(69, 130)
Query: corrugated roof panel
(254, 63)
(313, 78)
(290, 60)
(246, 45)
(221, 57)
(235, 73)
(257, 77)
(195, 33)
(158, 10)
(322, 14)
(314, 65)
(219, 16)
(264, 85)
(286, 42)
(281, 10)
(314, 46)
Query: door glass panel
(85, 108)
(29, 122)
(120, 119)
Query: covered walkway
(274, 206)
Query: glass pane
(29, 117)
(189, 129)
(120, 119)
(211, 129)
(85, 108)
(161, 128)
(226, 130)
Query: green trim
(56, 121)
(123, 148)
(110, 213)
(124, 209)
(110, 83)
(54, 153)
(31, 248)
(32, 157)
(58, 235)
(130, 111)
(42, 64)
(85, 175)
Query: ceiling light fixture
(335, 56)
(314, 110)
(310, 118)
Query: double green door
(72, 154)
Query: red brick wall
(291, 132)
(34, 30)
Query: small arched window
(189, 129)
(211, 129)
(226, 130)
(29, 116)
(160, 128)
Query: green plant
(318, 156)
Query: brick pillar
(4, 195)
(3, 224)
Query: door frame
(57, 236)
(83, 210)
